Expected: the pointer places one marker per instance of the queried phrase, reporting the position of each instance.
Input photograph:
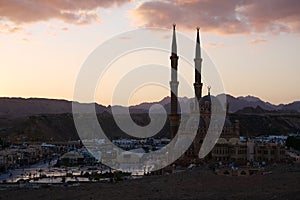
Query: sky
(254, 44)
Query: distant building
(72, 158)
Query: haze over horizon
(254, 44)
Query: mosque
(229, 131)
(228, 147)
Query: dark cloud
(223, 17)
(74, 12)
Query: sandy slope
(196, 184)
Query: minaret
(198, 63)
(174, 116)
(198, 94)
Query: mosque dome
(210, 100)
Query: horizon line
(136, 104)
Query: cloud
(72, 12)
(222, 17)
(25, 40)
(64, 28)
(9, 28)
(125, 38)
(214, 45)
(257, 41)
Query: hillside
(266, 122)
(46, 120)
(60, 127)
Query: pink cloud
(223, 17)
(64, 28)
(214, 45)
(73, 12)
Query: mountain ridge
(47, 119)
(15, 107)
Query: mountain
(257, 121)
(61, 127)
(21, 107)
(50, 119)
(50, 127)
(235, 104)
(238, 103)
(291, 106)
(184, 105)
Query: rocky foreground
(283, 183)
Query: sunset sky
(255, 44)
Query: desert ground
(283, 183)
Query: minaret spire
(198, 64)
(174, 44)
(174, 117)
(198, 49)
